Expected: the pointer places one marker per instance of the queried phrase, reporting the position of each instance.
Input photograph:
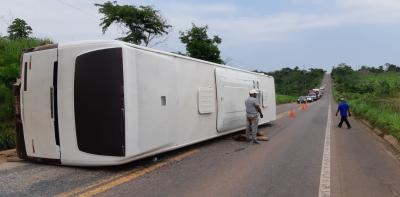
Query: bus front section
(37, 121)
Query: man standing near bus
(344, 110)
(252, 111)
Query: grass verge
(282, 99)
(372, 96)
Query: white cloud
(196, 9)
(380, 5)
(236, 29)
(271, 27)
(370, 11)
(73, 20)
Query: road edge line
(325, 179)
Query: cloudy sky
(265, 35)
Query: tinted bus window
(98, 97)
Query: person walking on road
(344, 110)
(252, 111)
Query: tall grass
(372, 96)
(381, 116)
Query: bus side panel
(194, 124)
(158, 100)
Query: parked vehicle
(314, 97)
(97, 103)
(302, 99)
(316, 92)
(309, 99)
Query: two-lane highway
(356, 163)
(288, 165)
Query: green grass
(10, 53)
(374, 97)
(7, 137)
(381, 116)
(281, 99)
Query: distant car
(302, 99)
(309, 99)
(314, 97)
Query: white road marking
(325, 179)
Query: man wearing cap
(344, 110)
(252, 111)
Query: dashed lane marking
(325, 179)
(104, 185)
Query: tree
(199, 45)
(144, 23)
(19, 29)
(392, 67)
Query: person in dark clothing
(344, 110)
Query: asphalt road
(357, 163)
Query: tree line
(348, 80)
(296, 82)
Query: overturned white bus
(96, 103)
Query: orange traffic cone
(291, 113)
(303, 106)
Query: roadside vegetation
(292, 83)
(11, 48)
(282, 99)
(373, 94)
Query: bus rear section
(38, 98)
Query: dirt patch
(8, 155)
(243, 138)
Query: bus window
(98, 100)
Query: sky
(264, 35)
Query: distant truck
(316, 93)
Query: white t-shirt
(251, 103)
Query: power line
(77, 8)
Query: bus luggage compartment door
(232, 90)
(38, 98)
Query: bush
(5, 103)
(7, 137)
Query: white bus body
(96, 103)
